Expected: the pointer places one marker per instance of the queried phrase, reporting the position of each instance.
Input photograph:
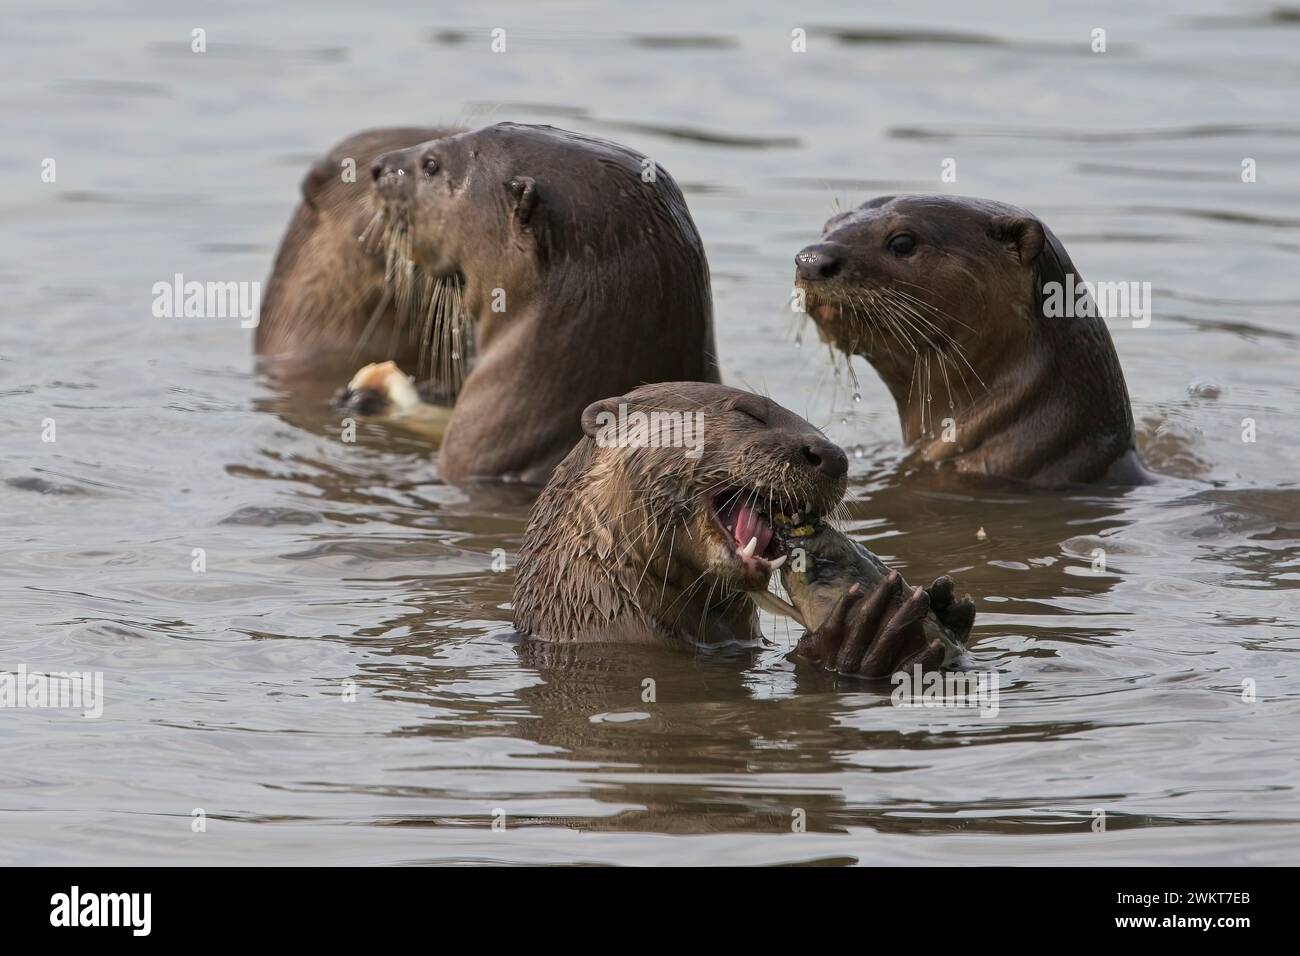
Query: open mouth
(748, 529)
(754, 533)
(759, 539)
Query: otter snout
(827, 457)
(820, 261)
(394, 173)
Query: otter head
(935, 291)
(533, 221)
(458, 223)
(459, 202)
(664, 512)
(495, 205)
(727, 461)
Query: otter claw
(941, 595)
(957, 616)
(960, 618)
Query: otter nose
(389, 172)
(826, 457)
(817, 262)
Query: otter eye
(430, 165)
(901, 245)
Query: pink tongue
(751, 525)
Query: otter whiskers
(903, 317)
(429, 308)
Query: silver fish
(822, 565)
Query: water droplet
(844, 421)
(857, 396)
(798, 341)
(858, 451)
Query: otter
(637, 538)
(330, 292)
(944, 296)
(550, 269)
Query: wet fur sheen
(957, 330)
(621, 546)
(327, 291)
(603, 274)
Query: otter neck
(594, 569)
(1026, 420)
(940, 399)
(943, 413)
(687, 608)
(497, 301)
(671, 597)
(565, 348)
(513, 353)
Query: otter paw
(957, 616)
(877, 633)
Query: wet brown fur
(326, 287)
(621, 545)
(575, 278)
(957, 330)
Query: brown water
(329, 563)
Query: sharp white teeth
(797, 519)
(748, 550)
(773, 565)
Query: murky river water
(332, 566)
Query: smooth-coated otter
(570, 270)
(329, 291)
(944, 296)
(640, 536)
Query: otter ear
(317, 178)
(524, 191)
(591, 422)
(1023, 235)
